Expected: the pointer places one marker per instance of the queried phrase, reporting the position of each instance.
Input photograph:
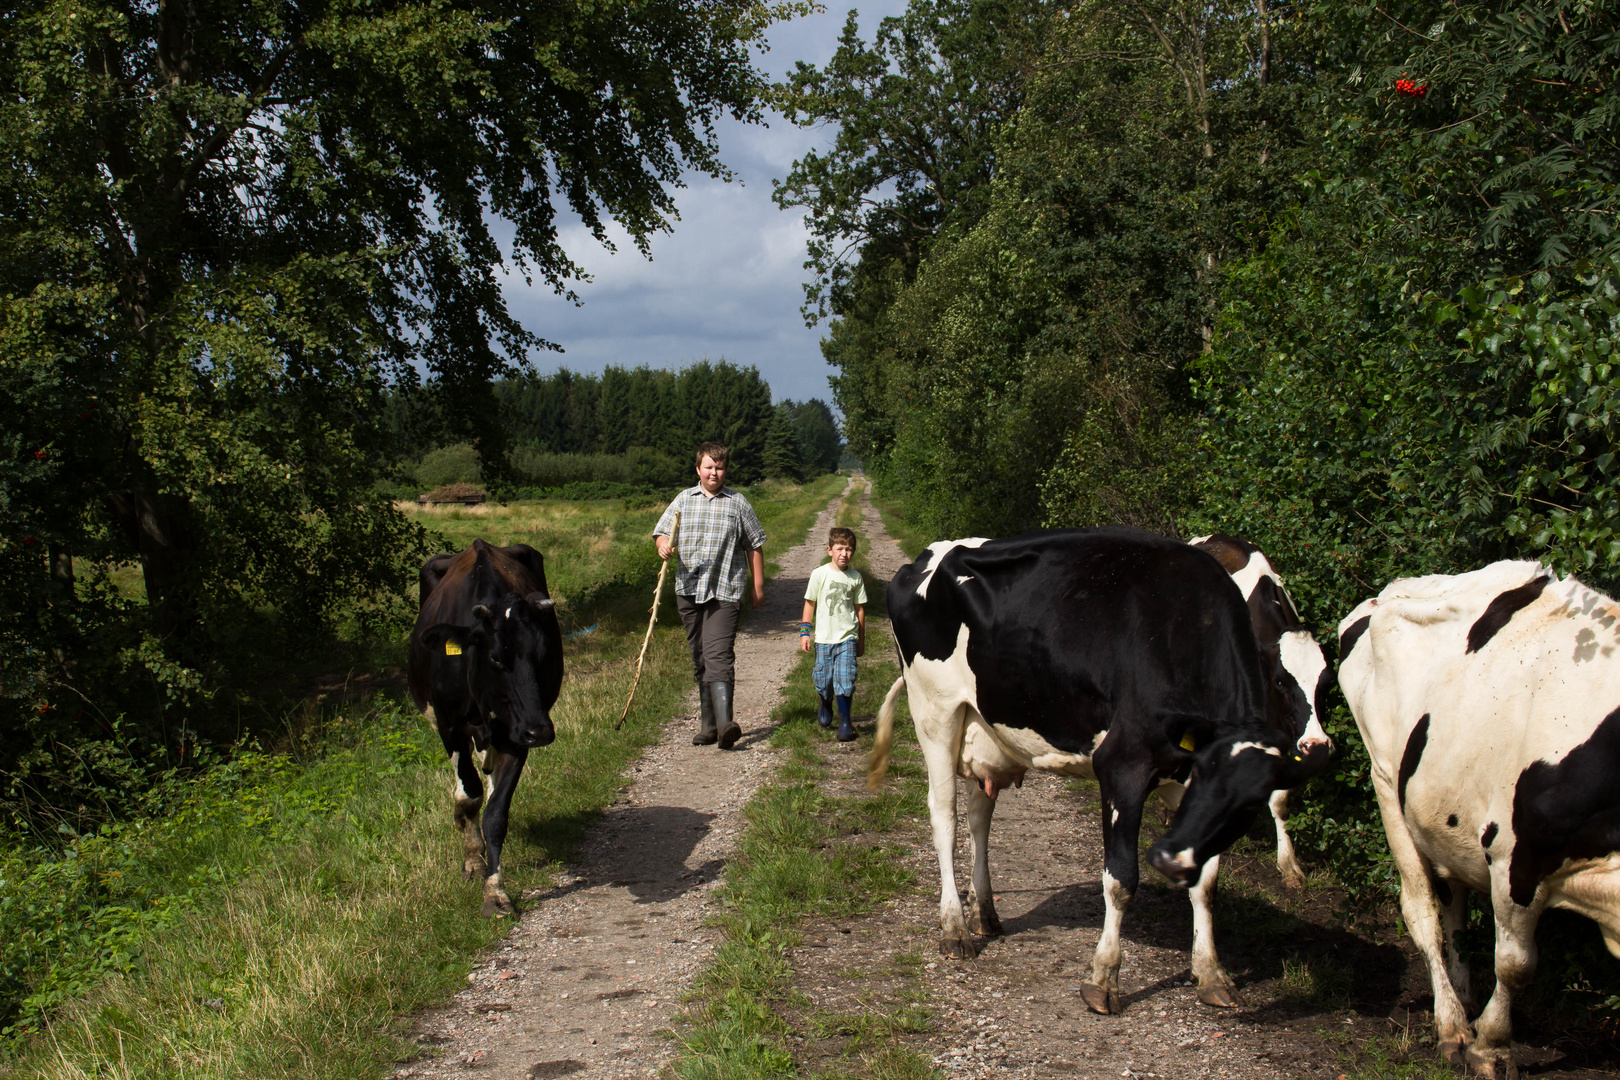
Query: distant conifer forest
(624, 430)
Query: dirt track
(595, 968)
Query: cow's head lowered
(512, 655)
(1297, 677)
(1231, 780)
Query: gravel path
(595, 967)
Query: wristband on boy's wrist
(804, 629)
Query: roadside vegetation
(297, 896)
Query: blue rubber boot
(823, 713)
(846, 730)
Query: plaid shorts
(835, 664)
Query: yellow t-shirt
(835, 593)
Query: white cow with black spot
(1490, 705)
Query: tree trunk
(159, 527)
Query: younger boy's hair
(712, 450)
(840, 535)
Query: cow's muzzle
(540, 733)
(1180, 867)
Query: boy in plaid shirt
(836, 600)
(718, 549)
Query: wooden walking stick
(658, 596)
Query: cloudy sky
(728, 282)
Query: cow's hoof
(1454, 1049)
(957, 948)
(1218, 994)
(1099, 1000)
(1494, 1064)
(984, 922)
(471, 871)
(1293, 878)
(497, 907)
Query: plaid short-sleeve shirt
(711, 552)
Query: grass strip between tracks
(806, 852)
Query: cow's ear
(1299, 765)
(438, 635)
(1189, 733)
(540, 601)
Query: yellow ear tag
(1187, 742)
(452, 649)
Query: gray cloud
(728, 281)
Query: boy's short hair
(840, 535)
(712, 450)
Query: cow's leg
(1492, 1052)
(508, 766)
(941, 739)
(466, 797)
(981, 913)
(1420, 910)
(1287, 861)
(1122, 802)
(1453, 897)
(1214, 985)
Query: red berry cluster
(1409, 88)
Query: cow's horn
(481, 612)
(540, 601)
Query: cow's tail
(878, 763)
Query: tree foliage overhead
(917, 114)
(1027, 365)
(225, 229)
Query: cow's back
(1065, 628)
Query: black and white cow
(485, 668)
(1111, 653)
(1294, 671)
(1490, 705)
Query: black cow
(485, 668)
(1111, 653)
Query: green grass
(807, 853)
(1307, 982)
(911, 541)
(301, 902)
(1396, 1057)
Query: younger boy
(836, 600)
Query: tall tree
(917, 113)
(1030, 367)
(817, 433)
(782, 459)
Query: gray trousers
(711, 630)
